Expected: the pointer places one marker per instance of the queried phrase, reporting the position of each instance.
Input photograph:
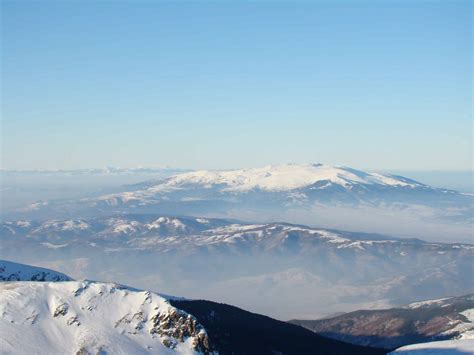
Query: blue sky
(368, 84)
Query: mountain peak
(285, 177)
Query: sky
(367, 84)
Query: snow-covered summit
(294, 192)
(286, 177)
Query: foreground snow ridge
(447, 347)
(84, 317)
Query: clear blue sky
(368, 84)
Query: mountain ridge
(349, 268)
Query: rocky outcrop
(178, 325)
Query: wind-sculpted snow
(278, 269)
(10, 271)
(93, 318)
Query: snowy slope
(447, 347)
(10, 271)
(92, 318)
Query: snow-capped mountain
(423, 321)
(286, 178)
(307, 179)
(246, 264)
(304, 193)
(10, 271)
(292, 184)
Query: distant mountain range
(426, 321)
(304, 271)
(308, 193)
(86, 317)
